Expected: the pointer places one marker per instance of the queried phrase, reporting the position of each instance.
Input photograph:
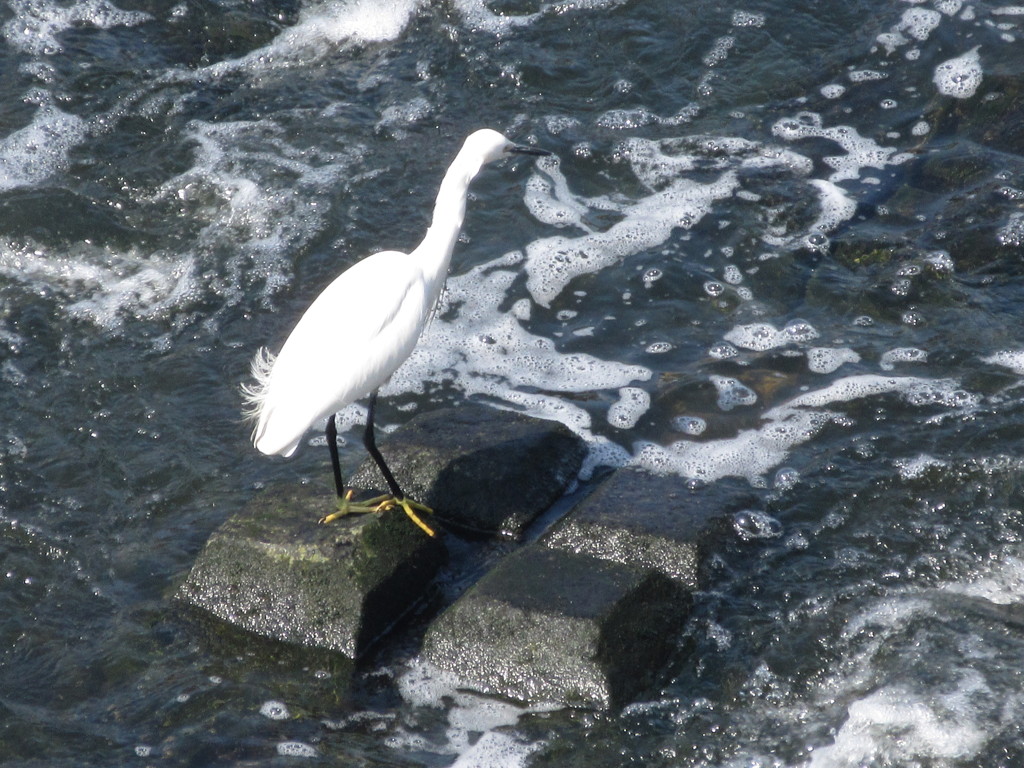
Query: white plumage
(364, 325)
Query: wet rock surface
(590, 613)
(481, 469)
(649, 522)
(549, 625)
(272, 570)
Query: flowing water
(777, 248)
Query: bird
(359, 330)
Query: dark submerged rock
(550, 625)
(481, 469)
(272, 570)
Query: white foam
(469, 716)
(761, 337)
(917, 466)
(1001, 583)
(36, 24)
(1011, 234)
(732, 393)
(751, 454)
(754, 453)
(690, 425)
(399, 116)
(919, 23)
(719, 50)
(478, 16)
(32, 154)
(675, 201)
(748, 19)
(896, 720)
(625, 412)
(829, 359)
(296, 749)
(865, 75)
(321, 29)
(959, 77)
(549, 200)
(275, 710)
(104, 286)
(253, 198)
(860, 152)
(1014, 360)
(890, 358)
(948, 7)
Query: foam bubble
(719, 50)
(752, 524)
(919, 23)
(750, 454)
(833, 90)
(1012, 232)
(828, 359)
(732, 275)
(275, 710)
(690, 425)
(732, 393)
(549, 200)
(865, 75)
(747, 19)
(761, 337)
(959, 77)
(633, 403)
(890, 358)
(296, 749)
(785, 479)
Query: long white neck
(435, 252)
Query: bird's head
(490, 146)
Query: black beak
(519, 149)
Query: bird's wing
(350, 340)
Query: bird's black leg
(332, 446)
(371, 448)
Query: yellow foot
(381, 504)
(411, 507)
(347, 507)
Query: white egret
(359, 330)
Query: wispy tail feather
(254, 395)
